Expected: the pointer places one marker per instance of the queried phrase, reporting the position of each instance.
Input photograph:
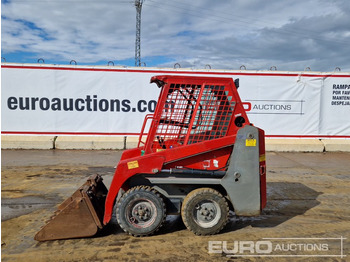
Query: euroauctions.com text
(89, 103)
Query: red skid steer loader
(201, 158)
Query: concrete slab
(132, 142)
(336, 145)
(89, 142)
(27, 142)
(110, 142)
(294, 145)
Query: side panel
(213, 160)
(242, 180)
(262, 163)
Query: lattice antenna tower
(138, 5)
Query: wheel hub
(207, 213)
(142, 211)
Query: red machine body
(200, 151)
(197, 118)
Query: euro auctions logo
(240, 247)
(280, 247)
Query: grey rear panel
(242, 179)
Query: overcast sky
(288, 34)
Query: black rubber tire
(204, 211)
(141, 211)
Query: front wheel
(141, 211)
(204, 211)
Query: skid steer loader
(201, 158)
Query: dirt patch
(15, 207)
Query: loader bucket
(81, 215)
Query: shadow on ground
(285, 200)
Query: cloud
(288, 34)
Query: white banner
(42, 99)
(335, 110)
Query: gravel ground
(308, 197)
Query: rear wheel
(141, 211)
(204, 211)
